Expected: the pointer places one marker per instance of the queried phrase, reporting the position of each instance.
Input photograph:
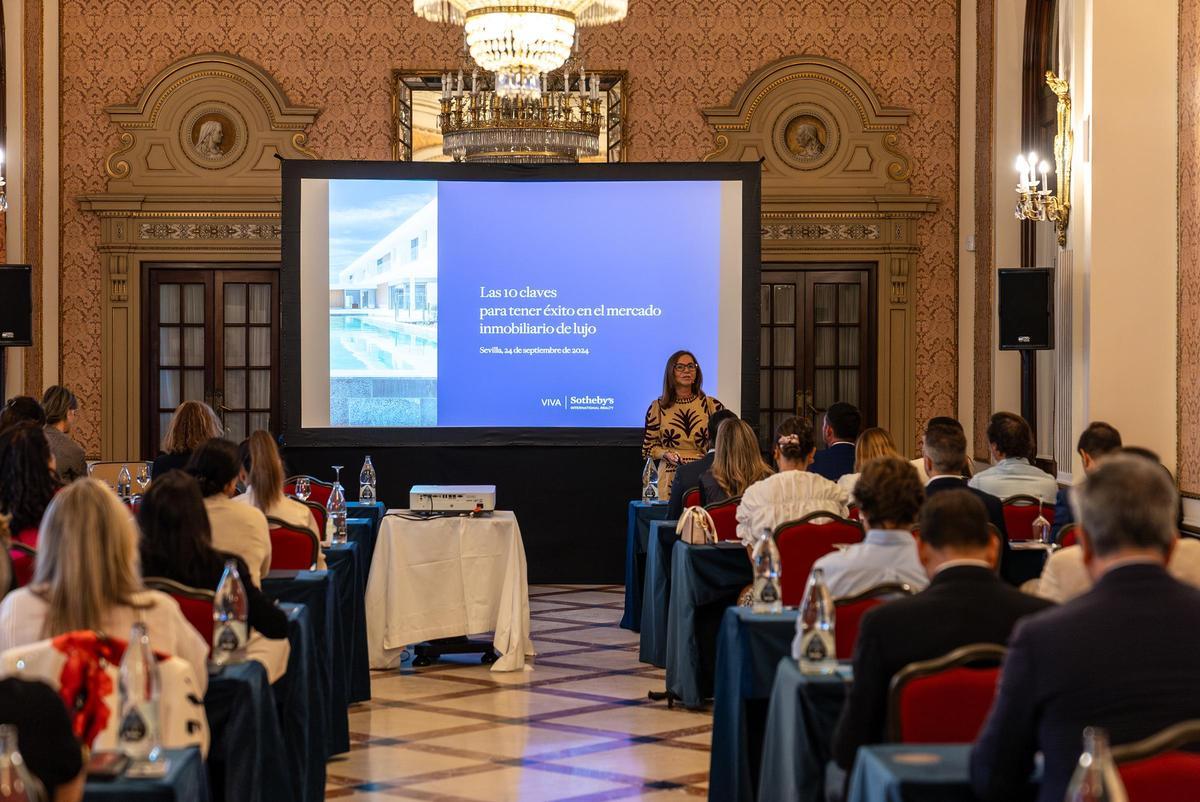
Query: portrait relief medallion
(213, 135)
(806, 136)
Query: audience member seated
(1010, 441)
(919, 462)
(27, 479)
(965, 603)
(45, 737)
(793, 492)
(1097, 440)
(60, 405)
(20, 409)
(839, 428)
(86, 579)
(872, 443)
(192, 424)
(237, 529)
(262, 473)
(889, 496)
(687, 476)
(737, 465)
(1123, 656)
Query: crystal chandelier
(520, 40)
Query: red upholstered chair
(28, 536)
(946, 699)
(724, 515)
(851, 609)
(196, 603)
(692, 498)
(24, 560)
(1155, 770)
(293, 548)
(804, 541)
(319, 514)
(318, 491)
(1068, 535)
(854, 513)
(1020, 512)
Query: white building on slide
(398, 273)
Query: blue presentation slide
(517, 304)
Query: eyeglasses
(689, 367)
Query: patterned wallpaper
(681, 55)
(1189, 247)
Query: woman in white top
(237, 529)
(793, 492)
(262, 470)
(87, 579)
(872, 443)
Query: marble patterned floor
(577, 727)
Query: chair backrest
(854, 512)
(196, 603)
(319, 515)
(24, 561)
(724, 515)
(1068, 535)
(692, 497)
(851, 609)
(293, 547)
(318, 491)
(1155, 769)
(944, 700)
(108, 472)
(1020, 512)
(804, 541)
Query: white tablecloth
(443, 577)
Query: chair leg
(659, 696)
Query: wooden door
(211, 335)
(817, 344)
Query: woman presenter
(677, 421)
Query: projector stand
(427, 653)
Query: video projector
(452, 498)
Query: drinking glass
(338, 474)
(303, 488)
(143, 477)
(1041, 528)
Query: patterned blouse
(682, 427)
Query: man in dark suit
(687, 476)
(945, 453)
(965, 603)
(840, 429)
(1097, 440)
(1124, 656)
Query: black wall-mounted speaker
(16, 306)
(1026, 308)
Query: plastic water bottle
(336, 507)
(1096, 778)
(139, 689)
(768, 593)
(817, 647)
(124, 482)
(366, 483)
(17, 784)
(231, 613)
(649, 481)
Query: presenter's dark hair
(803, 444)
(214, 464)
(1011, 435)
(22, 408)
(844, 419)
(1098, 439)
(667, 399)
(955, 518)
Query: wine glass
(1041, 528)
(303, 488)
(337, 479)
(143, 477)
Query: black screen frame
(293, 171)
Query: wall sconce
(1043, 204)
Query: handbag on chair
(696, 527)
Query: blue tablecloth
(365, 536)
(641, 513)
(301, 701)
(246, 761)
(705, 580)
(656, 593)
(345, 562)
(748, 650)
(185, 782)
(317, 591)
(796, 749)
(911, 773)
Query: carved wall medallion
(806, 136)
(213, 135)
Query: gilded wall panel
(681, 55)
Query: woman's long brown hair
(265, 474)
(667, 399)
(737, 463)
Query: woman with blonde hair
(192, 424)
(262, 470)
(872, 443)
(737, 464)
(87, 578)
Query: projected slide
(516, 304)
